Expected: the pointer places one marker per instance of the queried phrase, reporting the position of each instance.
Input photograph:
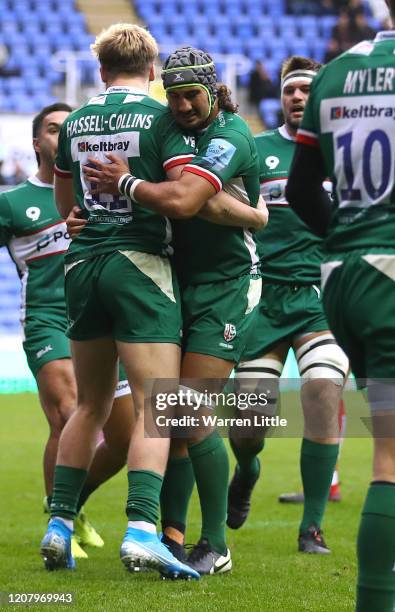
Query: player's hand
(104, 176)
(262, 216)
(75, 222)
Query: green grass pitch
(268, 573)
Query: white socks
(143, 525)
(68, 522)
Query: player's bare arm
(64, 195)
(224, 209)
(221, 209)
(175, 199)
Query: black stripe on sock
(323, 365)
(316, 344)
(266, 370)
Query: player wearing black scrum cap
(218, 269)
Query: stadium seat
(10, 26)
(318, 48)
(269, 110)
(325, 24)
(276, 46)
(30, 27)
(212, 46)
(27, 62)
(298, 46)
(34, 38)
(169, 11)
(232, 45)
(308, 22)
(273, 68)
(59, 42)
(254, 12)
(275, 10)
(25, 104)
(254, 45)
(211, 13)
(33, 29)
(190, 11)
(14, 84)
(309, 34)
(158, 30)
(221, 30)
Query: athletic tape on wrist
(122, 182)
(127, 185)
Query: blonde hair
(125, 48)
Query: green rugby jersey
(137, 128)
(350, 116)
(36, 238)
(288, 250)
(226, 156)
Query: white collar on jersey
(284, 133)
(384, 35)
(36, 181)
(126, 89)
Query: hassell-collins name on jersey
(115, 122)
(369, 80)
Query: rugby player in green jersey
(37, 238)
(120, 295)
(290, 317)
(348, 133)
(220, 285)
(120, 289)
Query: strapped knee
(322, 357)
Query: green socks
(247, 460)
(317, 464)
(211, 468)
(86, 492)
(143, 496)
(176, 491)
(66, 491)
(376, 550)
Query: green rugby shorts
(130, 295)
(284, 312)
(218, 316)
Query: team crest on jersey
(33, 213)
(229, 332)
